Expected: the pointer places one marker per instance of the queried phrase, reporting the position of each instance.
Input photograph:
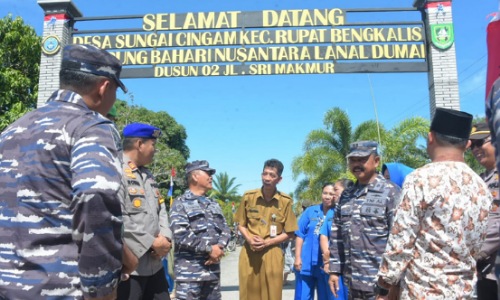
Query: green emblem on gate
(442, 35)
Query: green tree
(405, 143)
(225, 188)
(225, 191)
(19, 69)
(325, 149)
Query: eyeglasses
(478, 143)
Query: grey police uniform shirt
(360, 229)
(197, 222)
(144, 216)
(61, 225)
(491, 244)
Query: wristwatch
(208, 249)
(380, 290)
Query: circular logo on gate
(51, 45)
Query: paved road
(229, 278)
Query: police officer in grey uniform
(147, 231)
(484, 152)
(200, 235)
(361, 223)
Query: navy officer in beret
(147, 231)
(60, 181)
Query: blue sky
(236, 123)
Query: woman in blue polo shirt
(308, 264)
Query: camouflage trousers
(202, 290)
(358, 294)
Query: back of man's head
(451, 127)
(83, 66)
(274, 163)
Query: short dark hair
(79, 82)
(274, 163)
(448, 140)
(327, 184)
(128, 143)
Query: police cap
(479, 131)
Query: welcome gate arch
(267, 42)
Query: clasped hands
(215, 256)
(161, 246)
(257, 243)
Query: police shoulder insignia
(161, 200)
(137, 202)
(128, 172)
(132, 165)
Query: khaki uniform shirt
(144, 216)
(261, 272)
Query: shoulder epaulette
(252, 191)
(284, 195)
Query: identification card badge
(274, 230)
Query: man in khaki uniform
(265, 219)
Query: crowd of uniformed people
(82, 216)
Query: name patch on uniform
(372, 210)
(137, 202)
(377, 198)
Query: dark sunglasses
(478, 143)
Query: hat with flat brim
(362, 149)
(92, 60)
(199, 165)
(479, 131)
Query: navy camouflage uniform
(493, 117)
(61, 218)
(197, 222)
(359, 233)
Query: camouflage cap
(90, 59)
(362, 149)
(140, 130)
(199, 165)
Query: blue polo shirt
(310, 224)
